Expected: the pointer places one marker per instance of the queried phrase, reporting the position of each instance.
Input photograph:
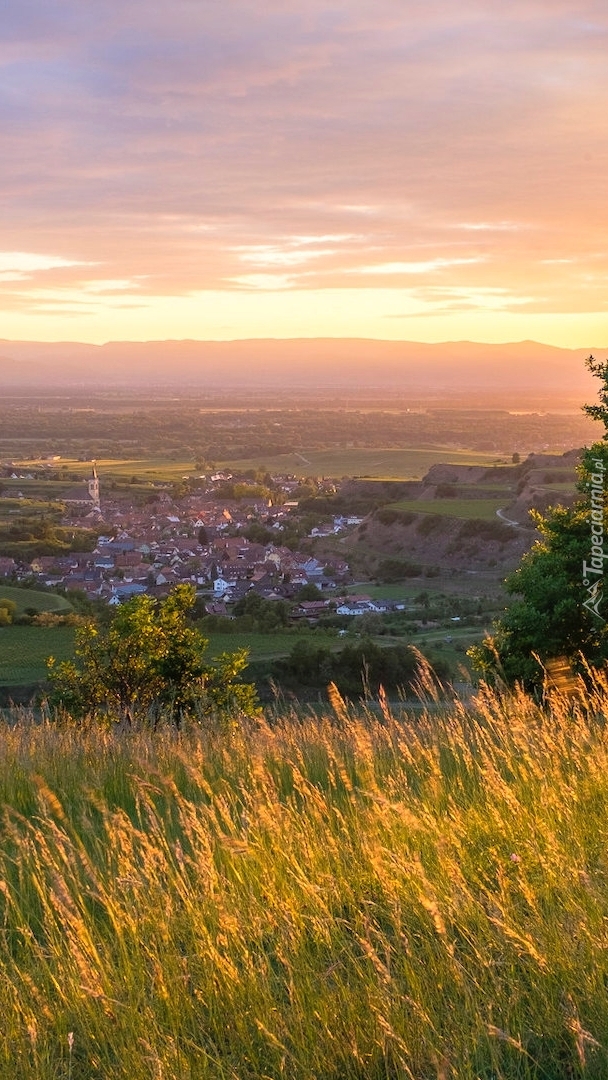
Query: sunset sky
(224, 169)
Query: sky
(221, 169)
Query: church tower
(93, 485)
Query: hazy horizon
(176, 339)
(518, 375)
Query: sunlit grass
(353, 896)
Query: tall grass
(356, 896)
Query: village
(197, 538)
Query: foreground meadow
(355, 896)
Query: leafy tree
(268, 615)
(370, 624)
(559, 610)
(257, 533)
(249, 604)
(310, 591)
(548, 617)
(305, 661)
(393, 569)
(599, 369)
(149, 661)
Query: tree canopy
(147, 663)
(559, 609)
(599, 369)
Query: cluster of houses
(124, 565)
(196, 540)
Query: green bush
(430, 523)
(391, 515)
(149, 661)
(486, 530)
(394, 569)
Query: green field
(464, 509)
(398, 464)
(150, 468)
(268, 646)
(24, 650)
(408, 463)
(146, 468)
(32, 598)
(404, 464)
(451, 644)
(384, 592)
(13, 507)
(39, 492)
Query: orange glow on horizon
(221, 171)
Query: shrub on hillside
(393, 515)
(474, 529)
(394, 569)
(429, 523)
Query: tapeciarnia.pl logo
(593, 571)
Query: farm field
(384, 592)
(26, 507)
(24, 650)
(32, 598)
(408, 463)
(37, 494)
(459, 582)
(390, 464)
(398, 464)
(268, 646)
(451, 645)
(146, 468)
(463, 509)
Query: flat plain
(407, 463)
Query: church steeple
(93, 485)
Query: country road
(509, 521)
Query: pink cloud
(187, 146)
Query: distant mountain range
(505, 374)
